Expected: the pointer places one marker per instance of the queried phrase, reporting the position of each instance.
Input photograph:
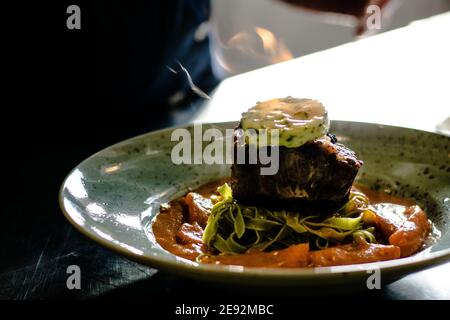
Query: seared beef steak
(313, 178)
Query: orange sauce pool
(176, 234)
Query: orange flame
(276, 48)
(257, 48)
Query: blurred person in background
(133, 63)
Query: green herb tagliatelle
(233, 228)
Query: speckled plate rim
(420, 261)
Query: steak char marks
(313, 178)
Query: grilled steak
(313, 178)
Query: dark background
(69, 93)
